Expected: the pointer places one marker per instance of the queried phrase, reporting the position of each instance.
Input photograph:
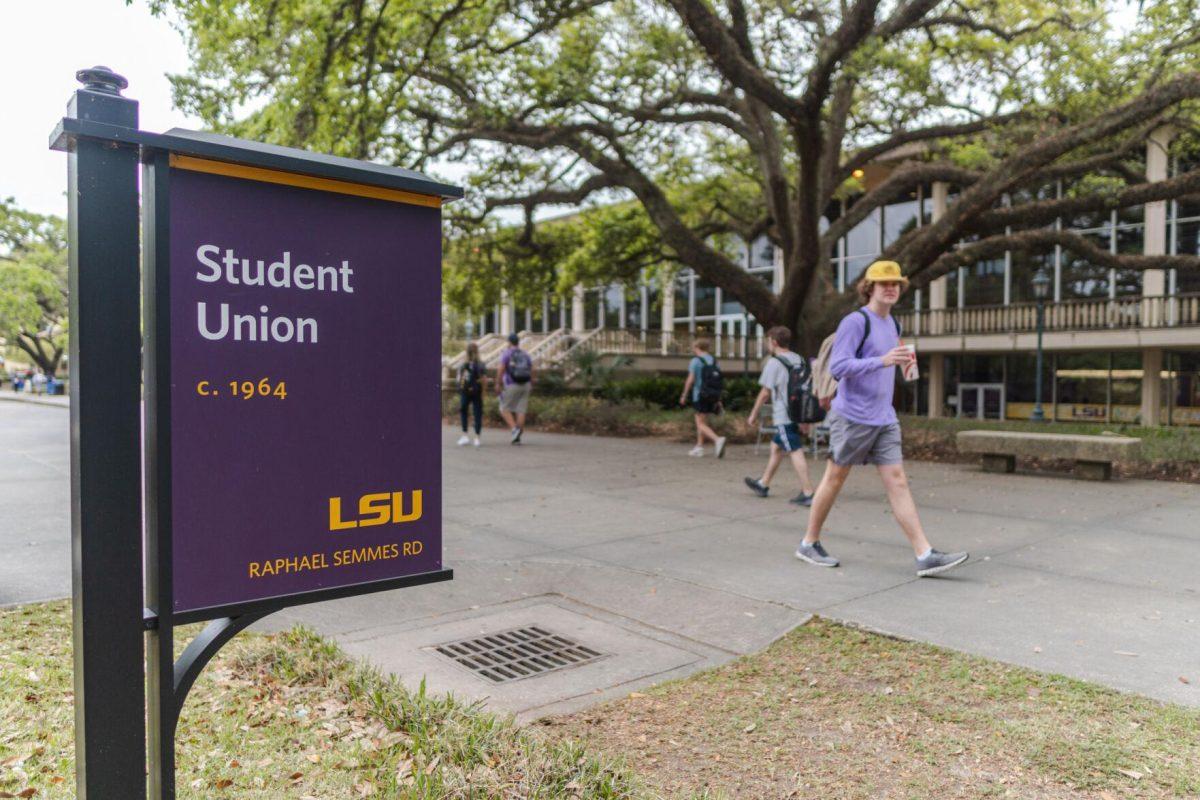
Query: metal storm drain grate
(518, 653)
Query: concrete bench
(1093, 455)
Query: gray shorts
(855, 443)
(515, 398)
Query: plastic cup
(909, 371)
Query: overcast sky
(42, 44)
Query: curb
(35, 401)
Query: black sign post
(106, 508)
(129, 578)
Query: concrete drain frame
(517, 653)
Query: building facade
(1119, 346)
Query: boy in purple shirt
(863, 428)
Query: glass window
(683, 288)
(855, 267)
(985, 283)
(1134, 215)
(1083, 380)
(729, 305)
(863, 239)
(898, 220)
(762, 253)
(1022, 379)
(1130, 241)
(633, 308)
(1185, 386)
(591, 309)
(981, 369)
(1187, 241)
(654, 304)
(612, 306)
(952, 288)
(537, 318)
(1024, 267)
(1081, 278)
(706, 300)
(1127, 379)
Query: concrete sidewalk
(667, 565)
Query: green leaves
(33, 283)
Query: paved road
(35, 522)
(667, 564)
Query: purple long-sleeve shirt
(865, 385)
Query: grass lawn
(287, 716)
(834, 712)
(827, 712)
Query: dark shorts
(705, 406)
(855, 443)
(788, 437)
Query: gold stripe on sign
(303, 181)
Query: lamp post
(1041, 287)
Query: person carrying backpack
(472, 376)
(514, 382)
(786, 383)
(704, 384)
(863, 427)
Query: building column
(1154, 235)
(578, 315)
(937, 305)
(1154, 281)
(1152, 396)
(668, 313)
(506, 321)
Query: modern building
(1119, 346)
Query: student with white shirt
(774, 383)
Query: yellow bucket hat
(882, 271)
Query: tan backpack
(824, 384)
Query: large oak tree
(739, 116)
(33, 284)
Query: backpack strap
(867, 331)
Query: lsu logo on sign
(380, 508)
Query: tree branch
(857, 24)
(549, 196)
(1043, 241)
(948, 130)
(903, 180)
(728, 57)
(933, 240)
(1046, 211)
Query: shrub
(651, 390)
(740, 393)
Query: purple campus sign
(304, 397)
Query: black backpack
(470, 378)
(802, 404)
(520, 366)
(712, 382)
(867, 331)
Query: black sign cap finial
(102, 79)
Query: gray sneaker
(756, 486)
(720, 447)
(802, 499)
(938, 562)
(815, 554)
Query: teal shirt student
(695, 367)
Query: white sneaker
(463, 440)
(476, 442)
(720, 447)
(696, 452)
